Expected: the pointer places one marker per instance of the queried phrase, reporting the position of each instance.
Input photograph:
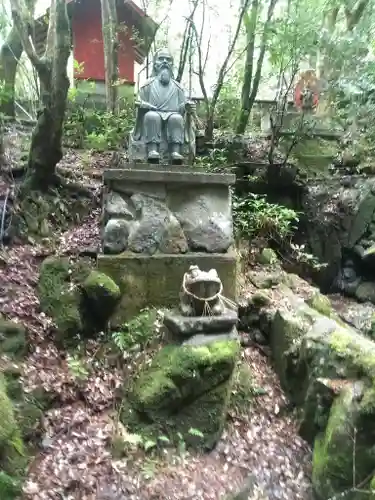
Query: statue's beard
(165, 76)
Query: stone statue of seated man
(164, 118)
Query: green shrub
(254, 217)
(138, 331)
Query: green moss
(98, 283)
(179, 372)
(12, 338)
(186, 387)
(348, 436)
(320, 303)
(100, 297)
(243, 389)
(358, 351)
(59, 298)
(267, 256)
(10, 487)
(28, 416)
(287, 330)
(260, 299)
(207, 414)
(12, 454)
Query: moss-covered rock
(345, 453)
(320, 303)
(58, 296)
(78, 299)
(187, 388)
(288, 327)
(100, 297)
(12, 453)
(267, 256)
(327, 368)
(12, 338)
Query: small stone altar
(187, 386)
(205, 315)
(158, 221)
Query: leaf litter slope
(75, 462)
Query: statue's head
(163, 65)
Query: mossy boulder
(327, 368)
(58, 296)
(187, 387)
(12, 452)
(12, 338)
(345, 453)
(320, 303)
(322, 363)
(100, 297)
(78, 299)
(267, 256)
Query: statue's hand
(145, 105)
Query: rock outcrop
(341, 227)
(327, 367)
(184, 393)
(78, 299)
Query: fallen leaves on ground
(75, 461)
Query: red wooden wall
(88, 43)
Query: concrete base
(155, 280)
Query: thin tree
(46, 148)
(10, 54)
(186, 41)
(251, 79)
(210, 103)
(111, 46)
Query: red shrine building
(136, 34)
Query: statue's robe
(169, 99)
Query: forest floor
(74, 459)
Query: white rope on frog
(207, 309)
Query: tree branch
(50, 41)
(251, 85)
(353, 17)
(200, 66)
(223, 69)
(21, 19)
(186, 42)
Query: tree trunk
(209, 128)
(223, 71)
(251, 85)
(110, 41)
(46, 148)
(10, 54)
(250, 22)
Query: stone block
(155, 280)
(167, 210)
(186, 326)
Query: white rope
(207, 309)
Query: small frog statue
(200, 293)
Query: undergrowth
(254, 216)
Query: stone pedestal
(158, 221)
(201, 330)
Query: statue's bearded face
(163, 66)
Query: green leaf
(196, 432)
